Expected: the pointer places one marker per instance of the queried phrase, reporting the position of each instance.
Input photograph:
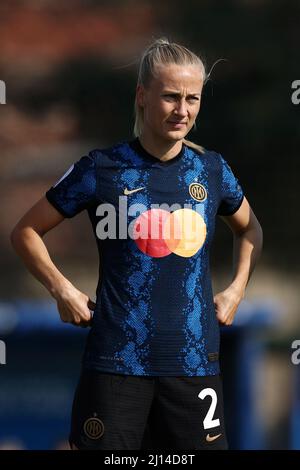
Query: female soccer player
(152, 355)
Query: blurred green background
(70, 71)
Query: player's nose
(181, 108)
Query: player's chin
(176, 134)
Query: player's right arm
(27, 239)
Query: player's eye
(170, 96)
(193, 98)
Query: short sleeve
(232, 194)
(76, 189)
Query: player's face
(171, 102)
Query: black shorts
(126, 412)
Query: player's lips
(177, 124)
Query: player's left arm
(247, 246)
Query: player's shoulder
(210, 156)
(110, 152)
(109, 149)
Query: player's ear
(140, 95)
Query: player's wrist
(238, 290)
(61, 289)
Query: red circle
(150, 227)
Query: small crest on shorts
(198, 192)
(93, 428)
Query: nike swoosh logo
(212, 438)
(130, 191)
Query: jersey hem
(111, 370)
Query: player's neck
(162, 150)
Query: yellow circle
(188, 229)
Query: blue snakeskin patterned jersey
(154, 311)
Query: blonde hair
(163, 52)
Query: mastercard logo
(159, 233)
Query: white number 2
(208, 421)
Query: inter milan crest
(93, 428)
(198, 192)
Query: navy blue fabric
(154, 315)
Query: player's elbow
(260, 237)
(15, 236)
(19, 236)
(253, 233)
(257, 230)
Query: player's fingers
(64, 315)
(84, 320)
(87, 317)
(75, 321)
(81, 324)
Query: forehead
(179, 76)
